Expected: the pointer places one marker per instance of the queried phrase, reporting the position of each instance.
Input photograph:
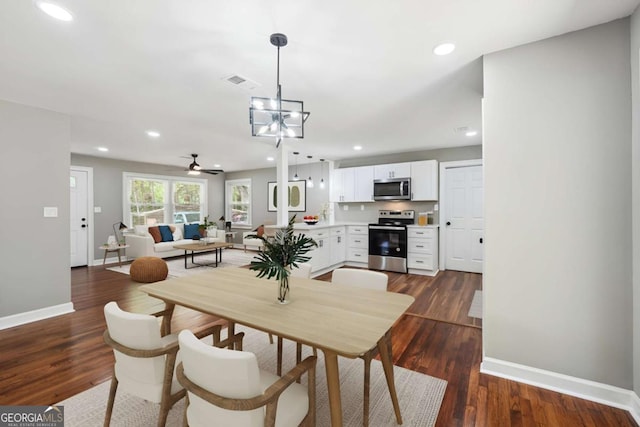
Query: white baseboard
(573, 386)
(35, 315)
(110, 260)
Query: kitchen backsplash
(368, 212)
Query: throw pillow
(155, 233)
(165, 233)
(260, 231)
(191, 230)
(177, 234)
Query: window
(238, 199)
(161, 200)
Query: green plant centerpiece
(280, 254)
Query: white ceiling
(364, 69)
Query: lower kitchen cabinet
(422, 250)
(358, 244)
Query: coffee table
(199, 247)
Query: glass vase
(283, 290)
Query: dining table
(336, 319)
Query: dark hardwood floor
(47, 361)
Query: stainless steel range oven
(388, 241)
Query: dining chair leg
(270, 338)
(279, 358)
(298, 356)
(185, 421)
(111, 400)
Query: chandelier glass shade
(276, 117)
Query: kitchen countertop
(423, 226)
(303, 226)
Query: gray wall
(107, 190)
(469, 152)
(35, 262)
(635, 159)
(557, 157)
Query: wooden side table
(107, 249)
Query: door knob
(83, 225)
(481, 240)
(83, 219)
(448, 222)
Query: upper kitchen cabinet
(392, 170)
(424, 180)
(352, 184)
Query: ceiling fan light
(193, 172)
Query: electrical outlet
(361, 207)
(345, 207)
(50, 212)
(435, 207)
(97, 209)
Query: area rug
(420, 395)
(476, 306)
(230, 258)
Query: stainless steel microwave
(392, 189)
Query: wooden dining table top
(344, 319)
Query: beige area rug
(476, 306)
(230, 258)
(420, 395)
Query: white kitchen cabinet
(422, 250)
(424, 180)
(363, 184)
(358, 244)
(392, 170)
(338, 235)
(352, 184)
(320, 256)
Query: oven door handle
(386, 227)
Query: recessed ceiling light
(55, 11)
(472, 133)
(444, 48)
(357, 147)
(153, 133)
(216, 165)
(270, 159)
(103, 149)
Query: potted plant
(202, 228)
(280, 254)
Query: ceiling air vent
(241, 82)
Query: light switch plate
(345, 207)
(50, 212)
(361, 207)
(97, 209)
(435, 207)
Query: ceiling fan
(195, 169)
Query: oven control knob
(397, 249)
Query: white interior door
(464, 220)
(78, 185)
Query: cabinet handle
(419, 232)
(419, 262)
(339, 239)
(419, 246)
(448, 223)
(356, 255)
(357, 241)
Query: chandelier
(276, 117)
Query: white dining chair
(144, 359)
(370, 280)
(226, 388)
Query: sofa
(142, 243)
